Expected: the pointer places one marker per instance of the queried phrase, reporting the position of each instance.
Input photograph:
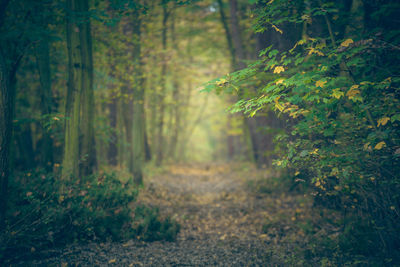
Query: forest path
(221, 222)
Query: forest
(199, 133)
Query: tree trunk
(236, 38)
(87, 149)
(147, 149)
(138, 126)
(76, 81)
(175, 114)
(46, 100)
(127, 113)
(7, 95)
(112, 151)
(160, 127)
(227, 33)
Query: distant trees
(72, 105)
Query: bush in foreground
(45, 211)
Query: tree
(161, 110)
(9, 62)
(46, 101)
(79, 100)
(138, 125)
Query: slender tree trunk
(121, 133)
(227, 33)
(22, 136)
(87, 150)
(175, 114)
(128, 92)
(138, 126)
(127, 113)
(236, 38)
(185, 103)
(237, 52)
(77, 78)
(147, 149)
(46, 100)
(112, 151)
(152, 89)
(7, 95)
(160, 127)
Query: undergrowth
(45, 212)
(307, 231)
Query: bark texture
(79, 159)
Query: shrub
(150, 227)
(45, 211)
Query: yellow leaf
(320, 83)
(380, 145)
(280, 81)
(383, 121)
(278, 105)
(347, 43)
(337, 93)
(366, 146)
(353, 92)
(296, 173)
(279, 69)
(315, 51)
(277, 29)
(112, 261)
(221, 82)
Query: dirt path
(221, 224)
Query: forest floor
(224, 222)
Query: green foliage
(46, 211)
(149, 227)
(341, 101)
